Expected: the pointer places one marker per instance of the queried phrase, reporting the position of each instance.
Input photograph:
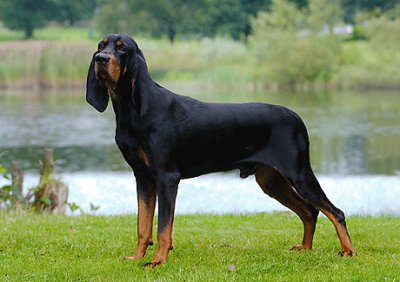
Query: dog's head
(117, 57)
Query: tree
(353, 7)
(106, 21)
(180, 17)
(26, 15)
(171, 17)
(156, 17)
(324, 14)
(233, 17)
(72, 11)
(288, 51)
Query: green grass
(207, 248)
(53, 33)
(67, 34)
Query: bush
(289, 54)
(359, 33)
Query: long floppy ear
(141, 76)
(96, 92)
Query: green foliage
(148, 17)
(384, 32)
(43, 64)
(206, 248)
(352, 8)
(232, 17)
(359, 33)
(9, 198)
(72, 11)
(323, 14)
(107, 22)
(177, 17)
(93, 207)
(26, 15)
(288, 46)
(374, 64)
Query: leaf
(7, 189)
(73, 207)
(3, 170)
(45, 200)
(94, 207)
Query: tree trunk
(28, 32)
(52, 195)
(17, 179)
(171, 35)
(47, 165)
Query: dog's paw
(297, 248)
(152, 264)
(131, 258)
(347, 253)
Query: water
(354, 138)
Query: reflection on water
(350, 134)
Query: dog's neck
(132, 96)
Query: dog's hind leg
(308, 187)
(274, 184)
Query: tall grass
(60, 58)
(64, 64)
(27, 64)
(363, 65)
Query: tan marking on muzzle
(113, 69)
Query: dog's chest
(130, 146)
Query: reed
(59, 59)
(27, 64)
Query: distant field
(64, 34)
(207, 248)
(59, 58)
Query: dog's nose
(102, 58)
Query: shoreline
(115, 193)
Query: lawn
(207, 248)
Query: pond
(355, 150)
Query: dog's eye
(121, 48)
(101, 46)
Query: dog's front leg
(167, 189)
(146, 197)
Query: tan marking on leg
(144, 225)
(344, 238)
(141, 154)
(165, 244)
(274, 184)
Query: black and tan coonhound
(167, 137)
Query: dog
(166, 137)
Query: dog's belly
(230, 137)
(207, 156)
